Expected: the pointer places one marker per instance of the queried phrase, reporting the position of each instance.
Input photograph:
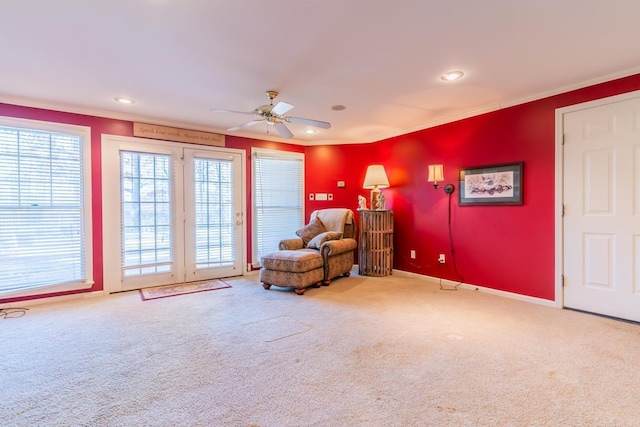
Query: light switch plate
(321, 196)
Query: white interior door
(601, 223)
(172, 213)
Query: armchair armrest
(291, 244)
(335, 247)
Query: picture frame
(492, 185)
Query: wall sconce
(374, 179)
(436, 174)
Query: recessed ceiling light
(310, 131)
(452, 75)
(123, 100)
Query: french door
(172, 213)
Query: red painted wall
(509, 248)
(100, 126)
(326, 165)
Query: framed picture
(491, 185)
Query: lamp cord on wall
(453, 253)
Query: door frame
(108, 238)
(559, 181)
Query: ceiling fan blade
(283, 130)
(309, 122)
(280, 108)
(216, 110)
(246, 125)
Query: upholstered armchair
(332, 233)
(322, 251)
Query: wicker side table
(375, 246)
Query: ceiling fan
(274, 115)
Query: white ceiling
(381, 59)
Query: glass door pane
(214, 212)
(146, 213)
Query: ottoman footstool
(299, 269)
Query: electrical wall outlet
(441, 259)
(413, 254)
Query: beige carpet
(390, 351)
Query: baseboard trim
(453, 284)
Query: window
(45, 210)
(277, 199)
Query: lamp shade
(375, 177)
(436, 173)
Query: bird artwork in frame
(492, 185)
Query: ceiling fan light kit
(274, 115)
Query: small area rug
(181, 289)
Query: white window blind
(277, 199)
(43, 231)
